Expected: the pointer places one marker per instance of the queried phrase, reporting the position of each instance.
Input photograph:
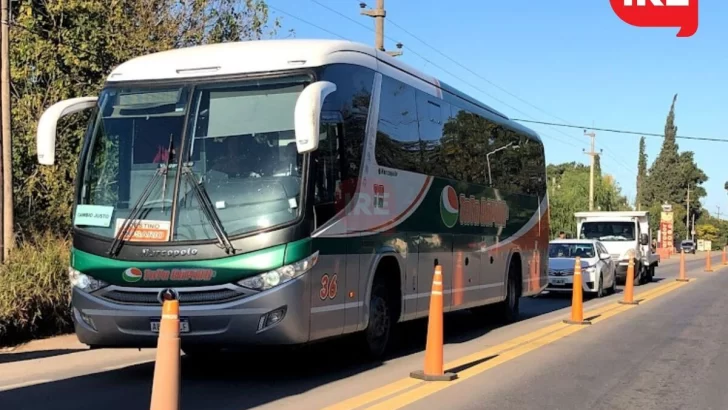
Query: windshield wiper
(164, 170)
(208, 209)
(135, 210)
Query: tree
(597, 167)
(707, 232)
(65, 49)
(569, 193)
(721, 229)
(670, 176)
(665, 182)
(641, 173)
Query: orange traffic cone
(165, 388)
(708, 268)
(725, 262)
(577, 298)
(682, 277)
(629, 285)
(434, 367)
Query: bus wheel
(508, 310)
(379, 330)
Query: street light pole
(487, 159)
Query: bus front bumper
(253, 320)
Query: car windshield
(240, 148)
(688, 243)
(608, 231)
(571, 250)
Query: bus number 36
(329, 286)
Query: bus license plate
(184, 325)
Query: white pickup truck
(622, 233)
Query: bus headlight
(279, 276)
(85, 282)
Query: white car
(598, 270)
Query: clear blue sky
(572, 59)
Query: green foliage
(707, 232)
(569, 193)
(672, 173)
(34, 291)
(718, 230)
(65, 49)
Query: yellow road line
(433, 387)
(427, 389)
(374, 395)
(503, 352)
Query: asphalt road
(668, 354)
(637, 357)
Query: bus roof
(272, 55)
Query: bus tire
(377, 335)
(508, 310)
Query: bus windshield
(239, 147)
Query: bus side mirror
(46, 134)
(307, 115)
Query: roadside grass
(34, 290)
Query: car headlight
(590, 269)
(279, 276)
(85, 282)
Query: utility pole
(718, 206)
(379, 14)
(687, 214)
(7, 174)
(692, 232)
(592, 154)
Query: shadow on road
(246, 380)
(242, 381)
(19, 357)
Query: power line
(358, 23)
(473, 72)
(308, 22)
(342, 15)
(616, 131)
(454, 61)
(428, 61)
(394, 23)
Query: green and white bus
(287, 191)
